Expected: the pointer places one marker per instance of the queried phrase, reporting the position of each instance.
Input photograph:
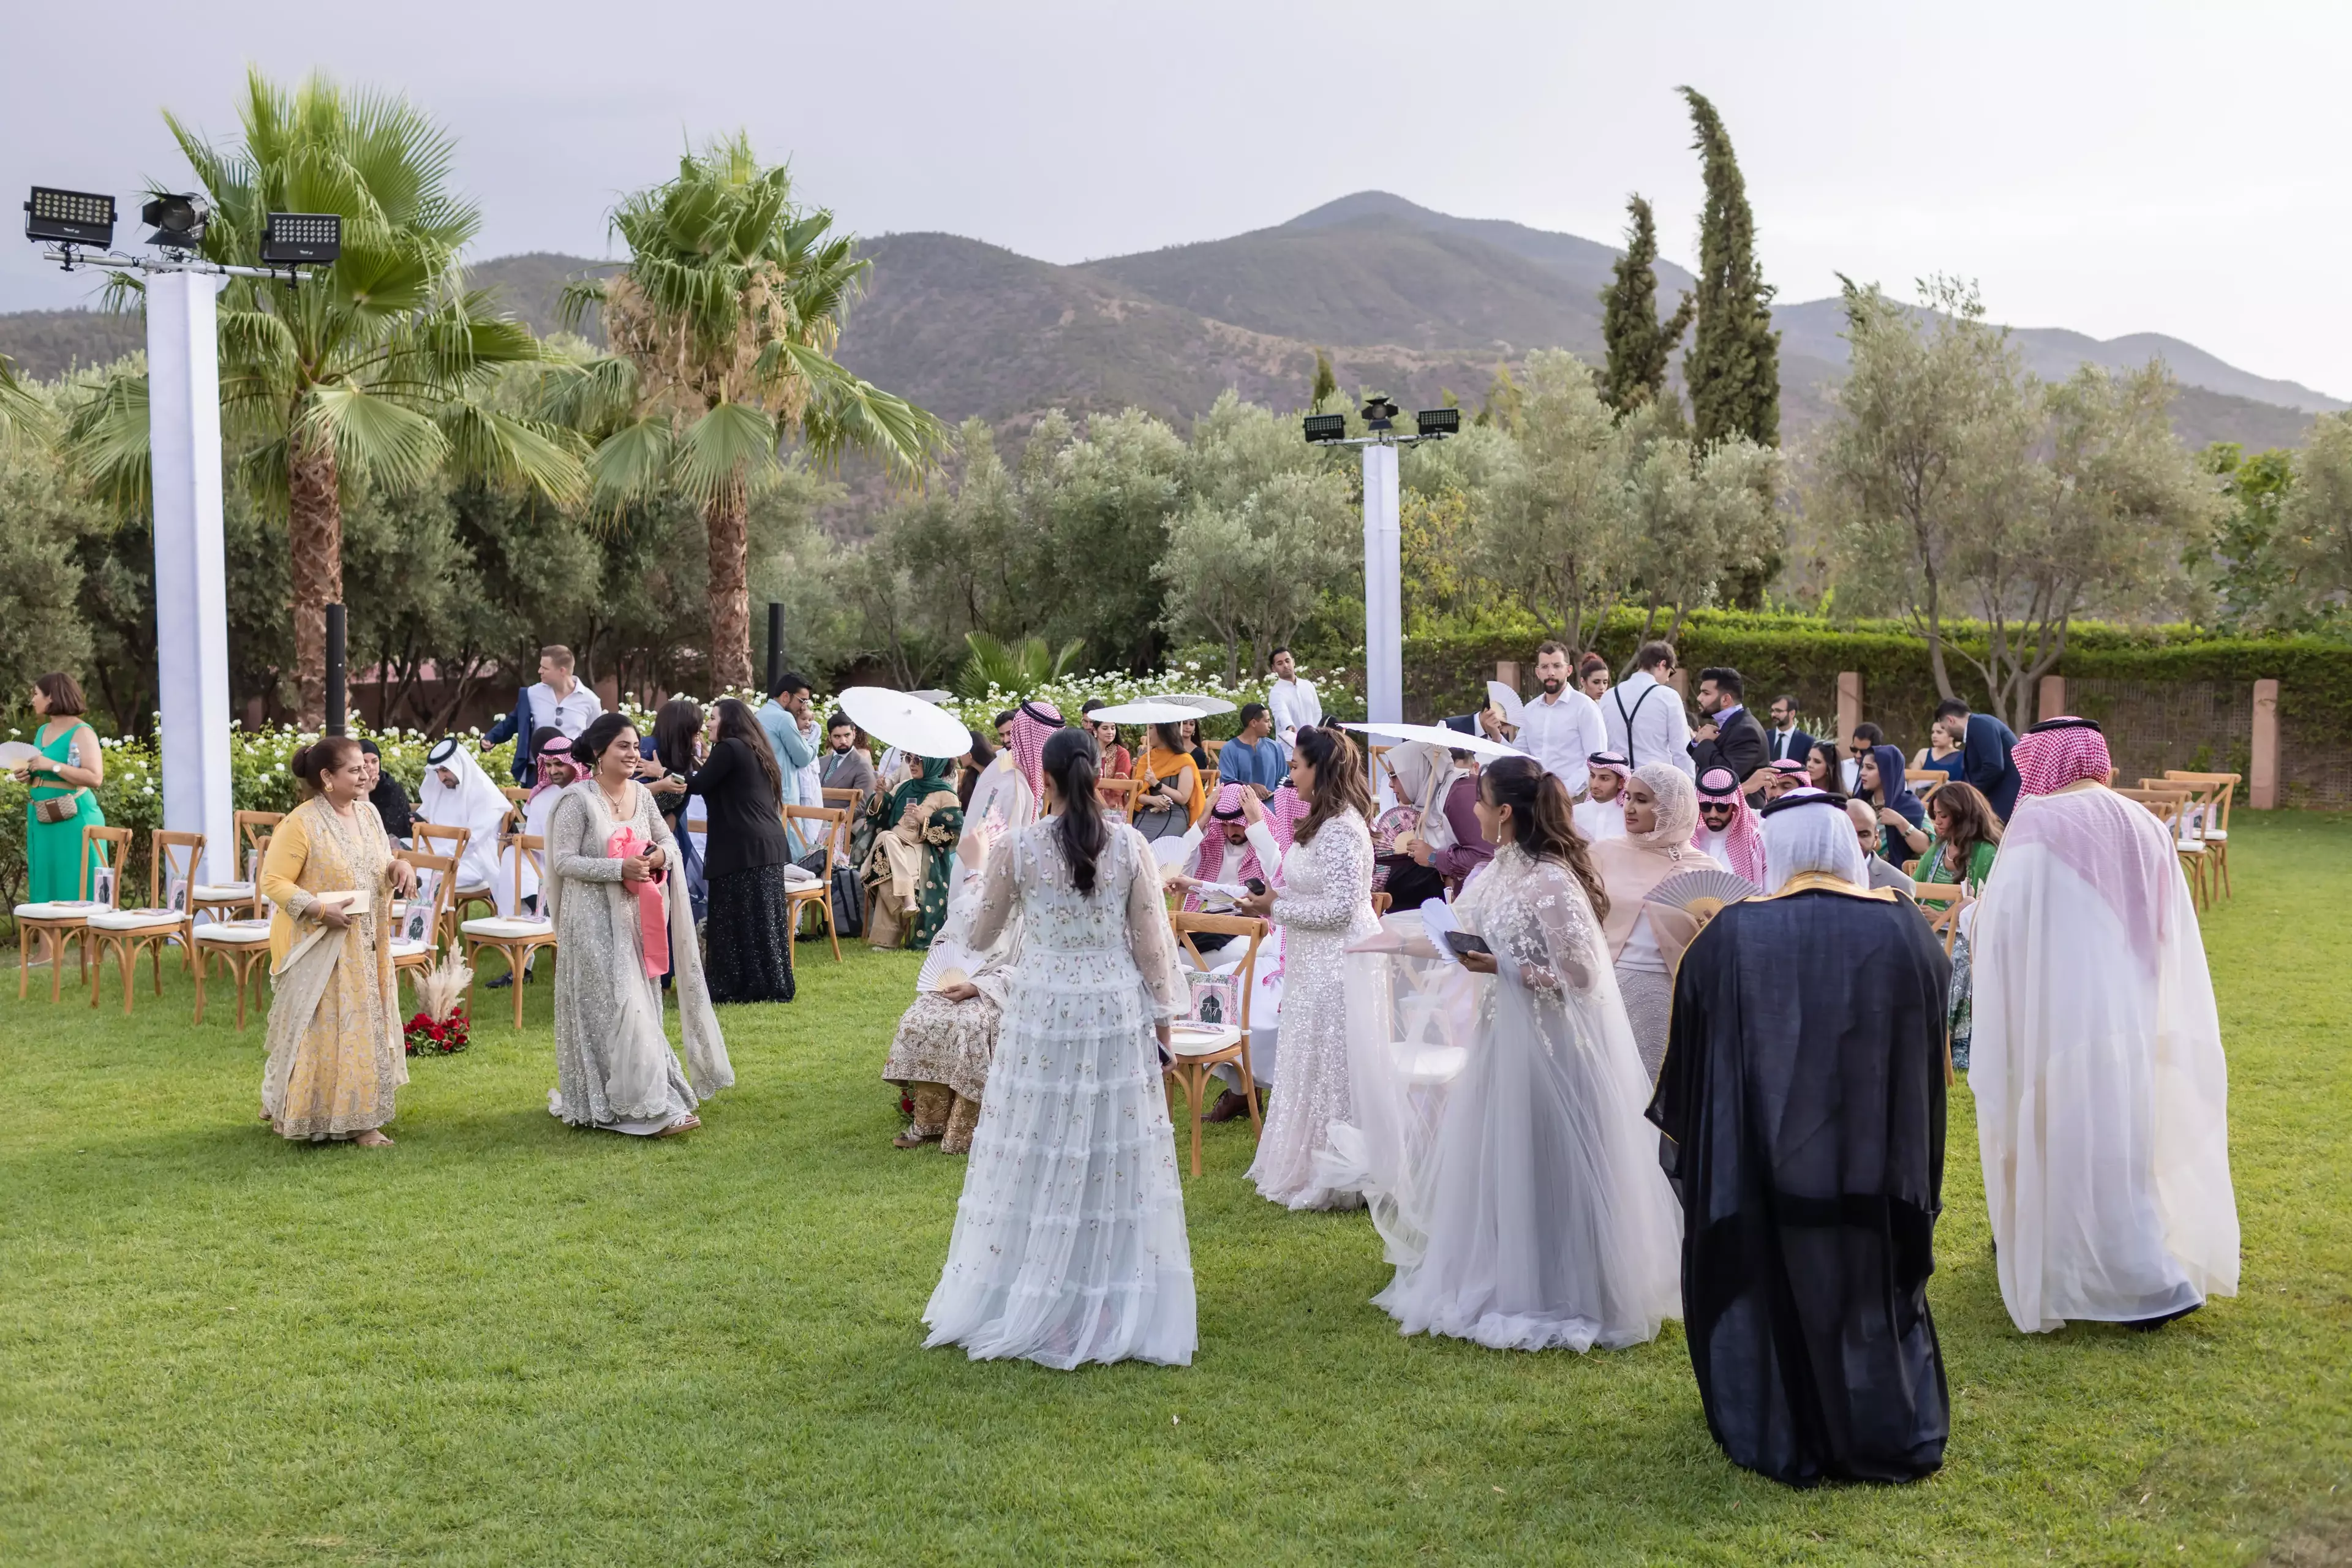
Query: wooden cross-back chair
(1199, 1048)
(435, 838)
(1942, 902)
(1926, 782)
(2211, 795)
(2170, 807)
(515, 937)
(830, 827)
(241, 945)
(2187, 827)
(437, 886)
(1119, 796)
(58, 926)
(127, 933)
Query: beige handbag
(58, 808)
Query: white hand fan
(1701, 893)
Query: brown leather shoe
(1230, 1104)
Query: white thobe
(1560, 733)
(1295, 707)
(2102, 1091)
(1658, 731)
(1600, 819)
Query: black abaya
(1803, 1099)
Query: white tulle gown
(1499, 1132)
(1069, 1241)
(1324, 905)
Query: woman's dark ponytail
(1070, 762)
(1543, 820)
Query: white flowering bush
(132, 794)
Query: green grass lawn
(505, 1342)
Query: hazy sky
(2112, 168)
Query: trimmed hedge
(1804, 654)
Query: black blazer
(1741, 747)
(746, 829)
(1800, 745)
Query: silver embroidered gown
(1325, 905)
(1069, 1241)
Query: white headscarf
(1808, 830)
(476, 805)
(1425, 776)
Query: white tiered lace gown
(1325, 905)
(1069, 1240)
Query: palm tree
(722, 326)
(377, 370)
(1016, 670)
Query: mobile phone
(1256, 886)
(1462, 942)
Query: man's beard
(1551, 685)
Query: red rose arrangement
(429, 1036)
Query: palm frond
(733, 444)
(845, 412)
(545, 457)
(22, 415)
(107, 442)
(632, 463)
(592, 396)
(373, 437)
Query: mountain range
(1407, 300)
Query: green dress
(52, 848)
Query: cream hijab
(1630, 866)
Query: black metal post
(338, 707)
(775, 645)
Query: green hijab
(930, 781)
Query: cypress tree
(1325, 384)
(1639, 343)
(1732, 368)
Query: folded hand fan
(1701, 893)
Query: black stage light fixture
(1327, 428)
(1438, 422)
(1380, 413)
(69, 217)
(179, 221)
(297, 238)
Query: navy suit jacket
(1986, 762)
(516, 727)
(1800, 745)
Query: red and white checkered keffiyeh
(1034, 723)
(2060, 752)
(1210, 867)
(1742, 844)
(1284, 812)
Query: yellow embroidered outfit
(335, 1052)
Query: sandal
(910, 1138)
(683, 1124)
(372, 1137)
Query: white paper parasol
(1438, 735)
(902, 720)
(1198, 702)
(1149, 711)
(1503, 696)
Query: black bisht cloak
(1802, 1104)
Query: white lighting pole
(191, 567)
(1383, 599)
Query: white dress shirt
(1560, 733)
(1660, 732)
(1295, 707)
(570, 713)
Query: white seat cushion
(508, 930)
(131, 920)
(234, 933)
(58, 909)
(800, 877)
(1190, 1039)
(411, 949)
(2218, 835)
(476, 890)
(222, 892)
